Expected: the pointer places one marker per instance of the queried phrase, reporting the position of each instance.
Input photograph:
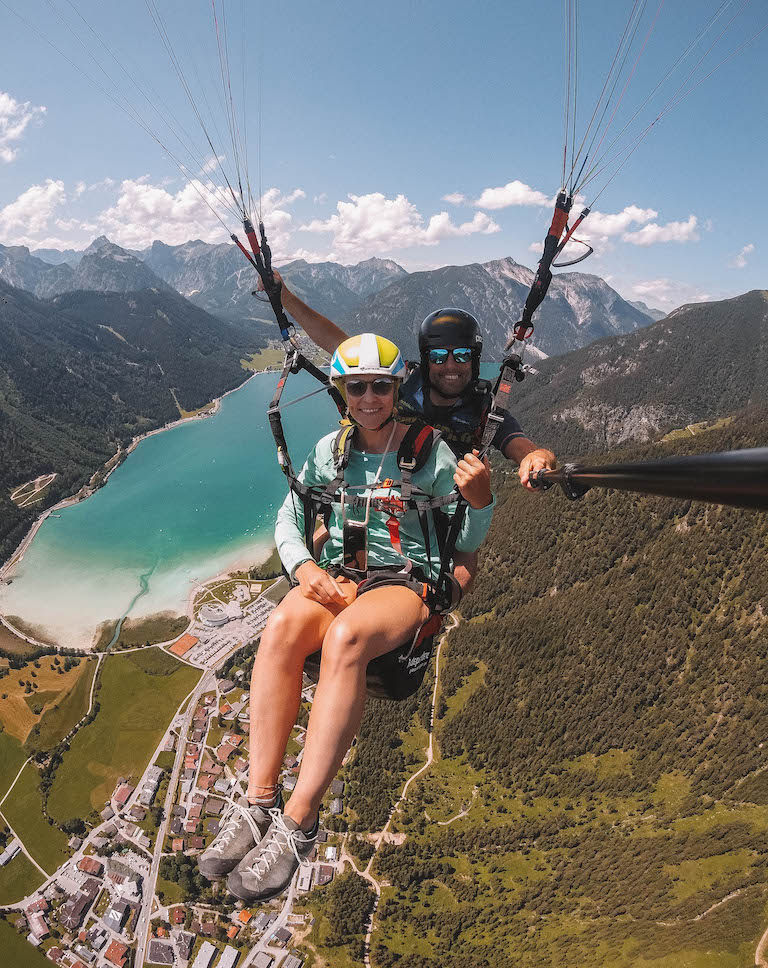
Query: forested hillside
(700, 362)
(602, 717)
(88, 371)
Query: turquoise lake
(187, 504)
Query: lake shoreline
(7, 567)
(73, 499)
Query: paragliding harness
(399, 673)
(467, 416)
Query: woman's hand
(473, 478)
(317, 585)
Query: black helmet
(450, 327)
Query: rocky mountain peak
(97, 245)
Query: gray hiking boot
(267, 870)
(242, 828)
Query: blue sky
(428, 132)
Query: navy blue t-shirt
(462, 423)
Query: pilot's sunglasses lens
(357, 388)
(461, 354)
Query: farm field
(61, 718)
(17, 952)
(23, 811)
(17, 880)
(139, 694)
(49, 688)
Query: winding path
(422, 769)
(761, 961)
(458, 816)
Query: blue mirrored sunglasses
(462, 354)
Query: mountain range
(103, 267)
(376, 294)
(579, 308)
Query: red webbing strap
(253, 239)
(543, 273)
(393, 526)
(421, 440)
(245, 251)
(559, 221)
(571, 230)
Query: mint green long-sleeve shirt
(435, 478)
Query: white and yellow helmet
(366, 355)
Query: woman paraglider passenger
(261, 843)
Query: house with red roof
(116, 953)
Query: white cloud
(144, 212)
(739, 261)
(667, 293)
(211, 163)
(22, 220)
(102, 185)
(604, 225)
(455, 198)
(368, 224)
(513, 193)
(75, 224)
(320, 199)
(15, 117)
(273, 198)
(602, 229)
(687, 231)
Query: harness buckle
(389, 504)
(408, 463)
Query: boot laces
(235, 816)
(276, 840)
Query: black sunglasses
(462, 354)
(357, 388)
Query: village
(130, 894)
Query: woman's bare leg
(378, 622)
(294, 630)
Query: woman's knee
(283, 634)
(344, 645)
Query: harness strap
(511, 371)
(425, 590)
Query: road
(145, 915)
(282, 919)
